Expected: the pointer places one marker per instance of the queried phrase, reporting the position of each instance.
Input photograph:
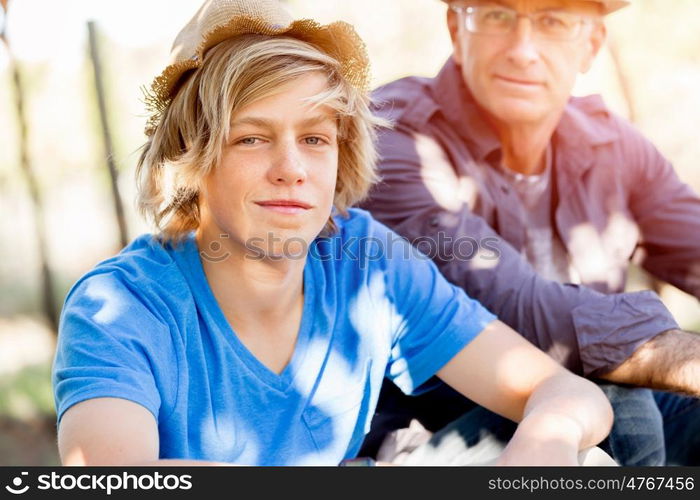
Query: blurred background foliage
(650, 72)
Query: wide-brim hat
(219, 20)
(608, 5)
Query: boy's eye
(248, 141)
(313, 141)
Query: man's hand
(670, 362)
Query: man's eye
(552, 21)
(496, 15)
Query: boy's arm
(112, 431)
(559, 412)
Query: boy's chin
(276, 246)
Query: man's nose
(523, 50)
(288, 167)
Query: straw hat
(608, 5)
(219, 20)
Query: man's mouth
(518, 81)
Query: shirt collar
(460, 109)
(586, 120)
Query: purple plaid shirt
(613, 192)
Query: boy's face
(274, 188)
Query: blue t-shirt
(145, 326)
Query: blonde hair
(187, 142)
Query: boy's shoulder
(142, 267)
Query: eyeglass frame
(467, 10)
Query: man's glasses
(497, 20)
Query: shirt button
(505, 189)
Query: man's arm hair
(670, 361)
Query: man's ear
(453, 27)
(596, 40)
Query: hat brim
(338, 39)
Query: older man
(549, 193)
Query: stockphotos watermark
(442, 247)
(101, 482)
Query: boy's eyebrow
(268, 123)
(251, 120)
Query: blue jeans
(653, 427)
(681, 427)
(650, 428)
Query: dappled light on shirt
(385, 318)
(449, 191)
(227, 437)
(601, 256)
(112, 305)
(485, 259)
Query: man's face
(522, 76)
(274, 188)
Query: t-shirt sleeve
(434, 319)
(106, 344)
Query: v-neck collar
(209, 308)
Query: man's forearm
(670, 361)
